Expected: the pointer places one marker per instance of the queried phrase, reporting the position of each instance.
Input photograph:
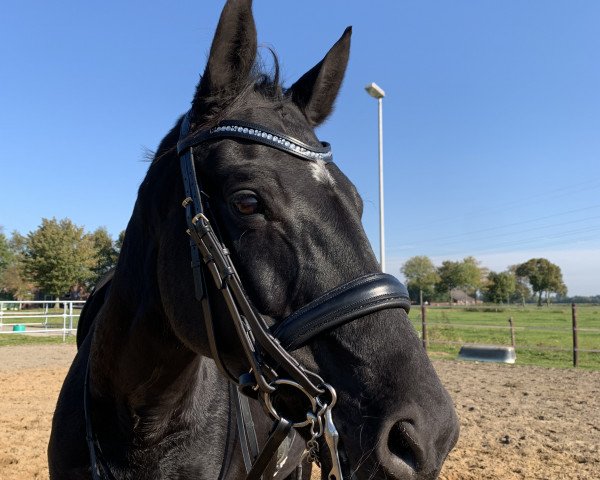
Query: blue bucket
(18, 328)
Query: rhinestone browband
(260, 134)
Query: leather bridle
(270, 365)
(267, 350)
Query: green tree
(13, 282)
(500, 286)
(58, 256)
(450, 276)
(119, 241)
(467, 275)
(473, 275)
(543, 276)
(5, 261)
(420, 274)
(106, 253)
(5, 253)
(12, 278)
(522, 292)
(17, 243)
(560, 289)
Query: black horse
(146, 397)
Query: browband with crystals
(258, 134)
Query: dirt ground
(517, 422)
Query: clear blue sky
(491, 115)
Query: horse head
(291, 222)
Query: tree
(5, 260)
(17, 243)
(420, 274)
(473, 275)
(500, 286)
(467, 275)
(13, 282)
(450, 277)
(119, 241)
(543, 276)
(5, 253)
(522, 292)
(106, 253)
(12, 278)
(58, 256)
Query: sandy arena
(517, 422)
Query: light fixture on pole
(377, 92)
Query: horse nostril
(403, 445)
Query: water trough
(487, 353)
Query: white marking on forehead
(320, 172)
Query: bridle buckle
(200, 216)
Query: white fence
(39, 317)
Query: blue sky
(491, 115)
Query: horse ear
(316, 90)
(232, 53)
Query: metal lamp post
(377, 92)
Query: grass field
(543, 334)
(24, 339)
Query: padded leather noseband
(357, 298)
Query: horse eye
(246, 203)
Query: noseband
(267, 350)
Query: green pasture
(543, 335)
(24, 339)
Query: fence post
(512, 333)
(575, 339)
(424, 325)
(70, 317)
(64, 315)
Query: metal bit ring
(290, 383)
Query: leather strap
(280, 432)
(246, 429)
(230, 443)
(357, 298)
